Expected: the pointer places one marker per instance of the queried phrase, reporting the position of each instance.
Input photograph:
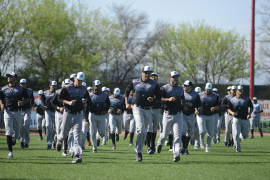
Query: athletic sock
(261, 132)
(9, 143)
(65, 144)
(252, 132)
(113, 138)
(88, 137)
(148, 138)
(170, 140)
(131, 137)
(126, 134)
(153, 140)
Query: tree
(9, 28)
(202, 53)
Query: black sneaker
(49, 146)
(26, 146)
(98, 142)
(59, 146)
(76, 160)
(159, 147)
(139, 157)
(176, 159)
(186, 152)
(22, 145)
(117, 137)
(226, 144)
(41, 138)
(182, 151)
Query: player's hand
(150, 99)
(196, 112)
(234, 114)
(128, 106)
(119, 111)
(61, 109)
(44, 108)
(72, 102)
(248, 116)
(20, 103)
(172, 99)
(110, 111)
(86, 124)
(212, 109)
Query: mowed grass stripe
(221, 163)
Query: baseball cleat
(130, 144)
(207, 149)
(10, 155)
(49, 146)
(13, 141)
(22, 145)
(196, 147)
(139, 157)
(64, 154)
(76, 160)
(59, 146)
(159, 148)
(186, 152)
(94, 150)
(114, 147)
(176, 159)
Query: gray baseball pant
(156, 119)
(142, 118)
(97, 124)
(13, 121)
(50, 126)
(228, 126)
(174, 123)
(239, 126)
(26, 121)
(188, 124)
(129, 122)
(206, 125)
(115, 121)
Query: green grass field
(221, 163)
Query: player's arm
(250, 105)
(127, 92)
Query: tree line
(50, 39)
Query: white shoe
(64, 154)
(207, 149)
(202, 146)
(196, 147)
(114, 147)
(10, 155)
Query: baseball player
(13, 97)
(50, 115)
(154, 121)
(240, 107)
(107, 90)
(90, 90)
(145, 89)
(129, 122)
(217, 119)
(26, 113)
(192, 102)
(39, 109)
(172, 95)
(117, 106)
(228, 117)
(74, 97)
(255, 117)
(98, 113)
(196, 135)
(205, 119)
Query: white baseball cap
(174, 73)
(116, 91)
(53, 83)
(67, 81)
(239, 87)
(187, 83)
(97, 83)
(84, 84)
(89, 88)
(254, 98)
(72, 76)
(215, 89)
(11, 74)
(147, 69)
(229, 88)
(198, 89)
(103, 89)
(108, 89)
(40, 92)
(23, 81)
(208, 86)
(80, 76)
(233, 87)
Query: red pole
(252, 48)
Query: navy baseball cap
(12, 74)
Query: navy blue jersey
(117, 103)
(129, 111)
(30, 97)
(225, 102)
(54, 100)
(168, 91)
(69, 93)
(100, 102)
(12, 95)
(143, 90)
(48, 96)
(192, 101)
(240, 106)
(207, 101)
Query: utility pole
(252, 49)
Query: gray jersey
(192, 101)
(48, 96)
(257, 108)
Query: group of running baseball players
(75, 112)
